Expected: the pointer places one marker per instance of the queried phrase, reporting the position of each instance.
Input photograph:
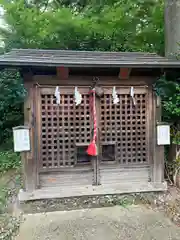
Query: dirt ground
(110, 223)
(90, 214)
(10, 183)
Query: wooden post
(28, 158)
(98, 163)
(158, 163)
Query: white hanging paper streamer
(115, 96)
(132, 95)
(77, 96)
(57, 95)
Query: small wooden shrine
(92, 119)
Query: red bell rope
(92, 148)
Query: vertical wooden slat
(116, 123)
(74, 129)
(62, 132)
(150, 134)
(131, 128)
(148, 130)
(94, 166)
(58, 134)
(79, 123)
(105, 115)
(97, 159)
(69, 129)
(136, 130)
(121, 135)
(110, 117)
(141, 124)
(46, 123)
(126, 141)
(85, 118)
(89, 120)
(38, 143)
(52, 131)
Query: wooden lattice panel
(63, 127)
(125, 125)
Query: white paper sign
(163, 135)
(21, 140)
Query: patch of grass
(3, 198)
(125, 201)
(9, 160)
(9, 185)
(9, 226)
(10, 163)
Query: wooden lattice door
(65, 132)
(124, 134)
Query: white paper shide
(77, 96)
(21, 139)
(57, 95)
(115, 96)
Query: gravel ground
(110, 223)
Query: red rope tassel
(92, 148)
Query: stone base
(107, 189)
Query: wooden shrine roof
(69, 58)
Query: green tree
(108, 25)
(11, 99)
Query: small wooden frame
(21, 139)
(62, 72)
(124, 73)
(163, 133)
(108, 152)
(80, 154)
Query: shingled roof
(37, 57)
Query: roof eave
(9, 64)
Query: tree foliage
(170, 94)
(169, 91)
(11, 99)
(129, 25)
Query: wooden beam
(82, 80)
(124, 73)
(62, 72)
